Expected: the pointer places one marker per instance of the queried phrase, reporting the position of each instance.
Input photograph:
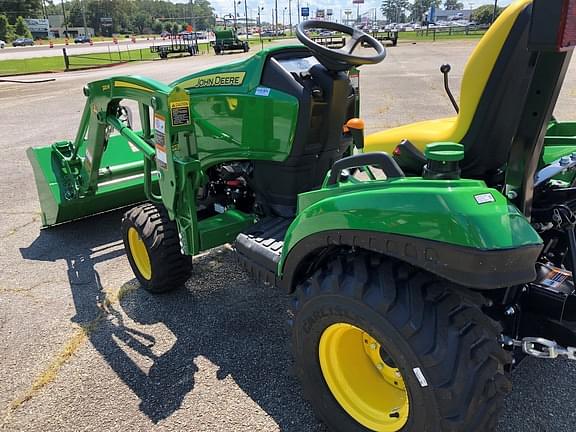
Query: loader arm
(108, 172)
(99, 117)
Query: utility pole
(276, 21)
(193, 23)
(290, 15)
(191, 17)
(44, 10)
(299, 11)
(235, 27)
(65, 24)
(246, 16)
(84, 18)
(495, 11)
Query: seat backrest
(494, 88)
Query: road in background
(210, 357)
(11, 53)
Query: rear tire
(153, 248)
(444, 347)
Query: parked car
(165, 34)
(23, 42)
(2, 44)
(82, 39)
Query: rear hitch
(540, 348)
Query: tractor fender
(465, 266)
(463, 232)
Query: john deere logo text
(215, 80)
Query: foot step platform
(260, 247)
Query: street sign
(329, 12)
(305, 11)
(432, 14)
(358, 1)
(320, 13)
(38, 25)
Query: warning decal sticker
(160, 141)
(180, 113)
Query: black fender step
(259, 248)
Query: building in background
(452, 15)
(40, 28)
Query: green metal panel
(223, 228)
(560, 141)
(444, 211)
(244, 126)
(252, 67)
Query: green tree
(175, 28)
(130, 15)
(157, 27)
(394, 10)
(453, 5)
(21, 28)
(4, 28)
(141, 21)
(420, 8)
(24, 8)
(484, 14)
(168, 26)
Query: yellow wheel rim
(139, 253)
(363, 378)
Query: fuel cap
(444, 152)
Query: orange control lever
(356, 128)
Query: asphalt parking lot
(82, 348)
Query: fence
(469, 30)
(116, 54)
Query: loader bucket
(120, 182)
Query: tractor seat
(495, 85)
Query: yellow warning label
(179, 104)
(215, 80)
(180, 113)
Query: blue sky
(227, 6)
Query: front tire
(362, 321)
(153, 248)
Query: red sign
(189, 29)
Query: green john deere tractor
(424, 262)
(227, 40)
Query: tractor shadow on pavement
(221, 315)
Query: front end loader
(424, 262)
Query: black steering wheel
(340, 59)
